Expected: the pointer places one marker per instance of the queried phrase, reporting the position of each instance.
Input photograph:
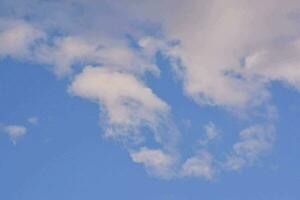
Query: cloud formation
(230, 50)
(226, 54)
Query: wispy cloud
(254, 142)
(211, 133)
(33, 120)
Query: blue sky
(107, 100)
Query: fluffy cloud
(127, 104)
(278, 62)
(17, 37)
(129, 109)
(219, 38)
(15, 132)
(23, 40)
(231, 57)
(226, 54)
(156, 161)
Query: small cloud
(234, 162)
(211, 133)
(156, 161)
(15, 132)
(199, 165)
(33, 120)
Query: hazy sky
(152, 100)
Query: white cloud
(15, 132)
(277, 62)
(127, 104)
(23, 40)
(254, 142)
(17, 37)
(69, 51)
(228, 52)
(156, 161)
(200, 165)
(224, 34)
(217, 36)
(128, 109)
(167, 165)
